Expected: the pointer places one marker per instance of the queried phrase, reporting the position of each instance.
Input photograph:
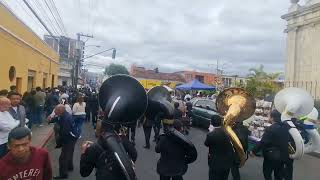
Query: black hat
(19, 133)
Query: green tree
(261, 83)
(114, 69)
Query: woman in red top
(24, 161)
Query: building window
(200, 78)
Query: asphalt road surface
(305, 169)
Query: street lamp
(97, 46)
(114, 52)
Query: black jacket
(172, 161)
(221, 154)
(275, 136)
(92, 103)
(243, 134)
(65, 124)
(51, 101)
(104, 161)
(177, 114)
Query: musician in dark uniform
(94, 155)
(157, 126)
(243, 134)
(147, 123)
(113, 154)
(221, 154)
(274, 146)
(172, 163)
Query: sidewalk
(41, 135)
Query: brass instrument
(159, 101)
(235, 104)
(124, 101)
(293, 103)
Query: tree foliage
(261, 83)
(114, 69)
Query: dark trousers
(39, 115)
(87, 116)
(147, 134)
(94, 117)
(66, 158)
(171, 177)
(235, 172)
(218, 174)
(156, 129)
(3, 150)
(272, 166)
(288, 169)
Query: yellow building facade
(25, 60)
(150, 83)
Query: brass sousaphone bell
(236, 105)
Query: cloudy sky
(174, 34)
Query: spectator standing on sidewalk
(23, 160)
(79, 112)
(40, 98)
(7, 123)
(51, 101)
(17, 111)
(67, 140)
(29, 102)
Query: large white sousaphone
(314, 138)
(294, 103)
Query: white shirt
(15, 108)
(79, 109)
(7, 123)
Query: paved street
(307, 168)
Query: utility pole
(79, 57)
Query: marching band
(125, 102)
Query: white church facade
(302, 67)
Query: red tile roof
(141, 72)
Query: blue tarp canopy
(195, 85)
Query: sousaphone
(124, 101)
(293, 103)
(235, 104)
(159, 101)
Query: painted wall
(21, 48)
(150, 83)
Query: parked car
(202, 111)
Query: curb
(48, 137)
(315, 154)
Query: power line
(42, 12)
(30, 15)
(40, 20)
(59, 26)
(58, 14)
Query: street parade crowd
(113, 154)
